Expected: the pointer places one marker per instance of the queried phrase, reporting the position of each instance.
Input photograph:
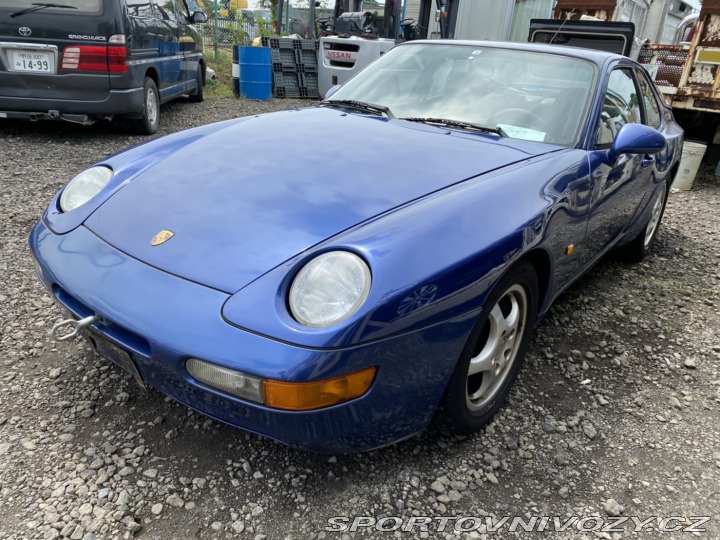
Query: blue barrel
(252, 72)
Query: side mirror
(198, 17)
(636, 139)
(333, 90)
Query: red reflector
(117, 59)
(95, 58)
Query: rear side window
(652, 108)
(182, 9)
(139, 8)
(165, 10)
(78, 6)
(621, 106)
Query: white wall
(485, 19)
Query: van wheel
(196, 96)
(149, 119)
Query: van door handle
(647, 161)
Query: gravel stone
(437, 487)
(175, 500)
(255, 512)
(589, 430)
(612, 508)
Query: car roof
(593, 55)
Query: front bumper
(163, 320)
(116, 102)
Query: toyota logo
(24, 31)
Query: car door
(619, 186)
(654, 117)
(170, 60)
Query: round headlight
(329, 289)
(84, 187)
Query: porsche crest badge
(161, 237)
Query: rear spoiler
(609, 36)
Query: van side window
(139, 8)
(165, 10)
(182, 9)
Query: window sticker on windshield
(517, 132)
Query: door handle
(647, 160)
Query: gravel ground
(617, 410)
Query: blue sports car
(367, 265)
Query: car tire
(149, 119)
(498, 342)
(639, 247)
(196, 96)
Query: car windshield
(526, 94)
(76, 6)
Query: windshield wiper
(361, 105)
(458, 124)
(38, 6)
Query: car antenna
(566, 19)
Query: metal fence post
(216, 31)
(278, 17)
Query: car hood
(252, 194)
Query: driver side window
(621, 106)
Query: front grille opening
(344, 47)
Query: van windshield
(81, 6)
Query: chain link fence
(224, 32)
(242, 27)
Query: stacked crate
(295, 67)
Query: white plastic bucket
(692, 155)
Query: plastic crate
(286, 43)
(309, 85)
(283, 92)
(286, 79)
(307, 57)
(286, 84)
(283, 60)
(310, 45)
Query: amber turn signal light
(317, 394)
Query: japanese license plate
(107, 350)
(32, 61)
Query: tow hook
(74, 327)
